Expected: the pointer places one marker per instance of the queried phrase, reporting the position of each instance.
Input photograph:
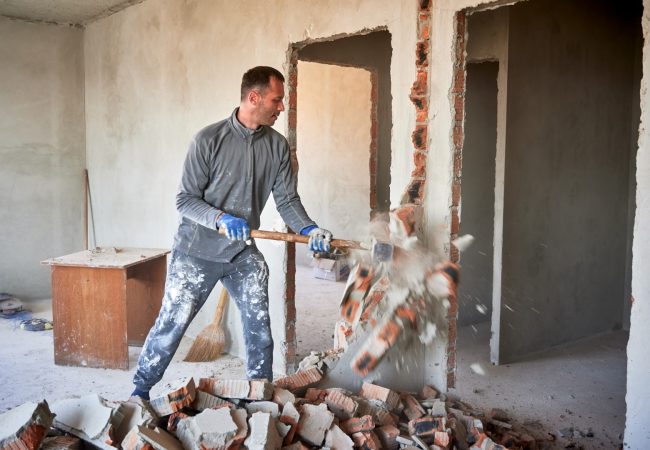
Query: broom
(209, 344)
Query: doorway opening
(548, 184)
(340, 123)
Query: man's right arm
(195, 179)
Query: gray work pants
(189, 283)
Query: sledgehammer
(381, 251)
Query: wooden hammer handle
(290, 237)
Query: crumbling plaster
(160, 70)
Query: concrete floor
(581, 385)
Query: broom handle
(221, 305)
(290, 237)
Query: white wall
(637, 422)
(159, 71)
(41, 152)
(333, 135)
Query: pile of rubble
(256, 414)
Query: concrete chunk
(88, 417)
(129, 414)
(314, 423)
(267, 407)
(211, 429)
(263, 433)
(240, 416)
(144, 438)
(25, 426)
(336, 439)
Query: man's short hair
(258, 78)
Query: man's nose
(281, 106)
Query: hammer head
(382, 251)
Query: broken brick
(426, 426)
(176, 399)
(32, 421)
(282, 396)
(429, 392)
(225, 388)
(375, 392)
(291, 417)
(144, 438)
(267, 407)
(412, 408)
(173, 419)
(342, 405)
(204, 400)
(61, 443)
(260, 390)
(358, 424)
(387, 435)
(300, 380)
(337, 439)
(366, 440)
(210, 429)
(263, 433)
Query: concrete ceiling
(77, 12)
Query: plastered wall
(41, 152)
(159, 71)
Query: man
(231, 168)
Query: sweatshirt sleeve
(195, 178)
(286, 196)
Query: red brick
(366, 441)
(424, 26)
(459, 81)
(459, 106)
(300, 380)
(420, 161)
(387, 435)
(458, 136)
(419, 87)
(426, 426)
(343, 406)
(371, 391)
(412, 408)
(419, 137)
(357, 424)
(422, 54)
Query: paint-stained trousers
(189, 283)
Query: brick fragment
(296, 446)
(314, 422)
(31, 420)
(144, 438)
(342, 405)
(240, 417)
(62, 443)
(204, 400)
(358, 424)
(429, 392)
(387, 435)
(366, 440)
(225, 388)
(282, 396)
(180, 396)
(291, 417)
(173, 419)
(300, 380)
(127, 415)
(412, 408)
(315, 396)
(426, 426)
(260, 390)
(375, 392)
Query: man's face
(271, 102)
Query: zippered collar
(241, 130)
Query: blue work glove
(319, 238)
(235, 227)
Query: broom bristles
(207, 346)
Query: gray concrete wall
(477, 212)
(567, 170)
(41, 152)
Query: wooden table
(104, 300)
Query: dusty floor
(580, 385)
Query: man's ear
(254, 97)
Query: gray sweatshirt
(232, 169)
